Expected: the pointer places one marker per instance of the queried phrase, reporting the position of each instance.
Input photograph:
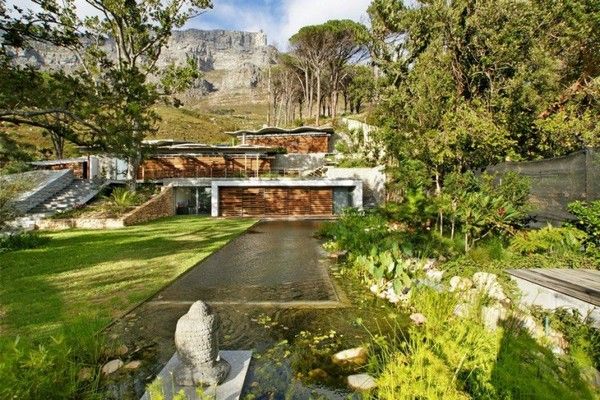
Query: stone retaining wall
(160, 206)
(163, 205)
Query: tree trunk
(318, 72)
(58, 142)
(132, 171)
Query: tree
(122, 85)
(466, 84)
(325, 50)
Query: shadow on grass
(102, 272)
(526, 370)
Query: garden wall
(163, 205)
(160, 206)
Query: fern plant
(548, 239)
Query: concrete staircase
(77, 193)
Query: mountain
(230, 60)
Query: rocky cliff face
(231, 60)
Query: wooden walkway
(581, 284)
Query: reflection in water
(278, 261)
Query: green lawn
(98, 275)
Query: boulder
(490, 316)
(434, 274)
(362, 382)
(135, 364)
(112, 366)
(354, 356)
(461, 284)
(462, 310)
(418, 319)
(121, 350)
(488, 284)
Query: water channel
(276, 293)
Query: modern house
(272, 172)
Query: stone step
(77, 193)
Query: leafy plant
(51, 369)
(123, 197)
(389, 265)
(548, 240)
(587, 216)
(22, 240)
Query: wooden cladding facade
(303, 144)
(275, 201)
(203, 167)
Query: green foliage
(124, 198)
(484, 204)
(583, 337)
(587, 219)
(457, 358)
(356, 231)
(9, 191)
(417, 210)
(548, 240)
(49, 369)
(390, 266)
(23, 240)
(471, 84)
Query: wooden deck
(581, 284)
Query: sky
(279, 19)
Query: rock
(112, 366)
(84, 374)
(461, 284)
(531, 326)
(135, 364)
(418, 319)
(484, 279)
(362, 382)
(490, 316)
(354, 356)
(434, 274)
(391, 296)
(592, 375)
(488, 284)
(318, 374)
(462, 310)
(121, 350)
(238, 56)
(196, 336)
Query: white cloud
(299, 13)
(279, 19)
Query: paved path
(276, 261)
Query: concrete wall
(299, 161)
(373, 182)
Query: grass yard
(96, 276)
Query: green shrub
(50, 369)
(20, 241)
(457, 358)
(485, 204)
(548, 240)
(356, 231)
(389, 265)
(124, 198)
(587, 219)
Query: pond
(277, 293)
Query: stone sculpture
(196, 341)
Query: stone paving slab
(231, 389)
